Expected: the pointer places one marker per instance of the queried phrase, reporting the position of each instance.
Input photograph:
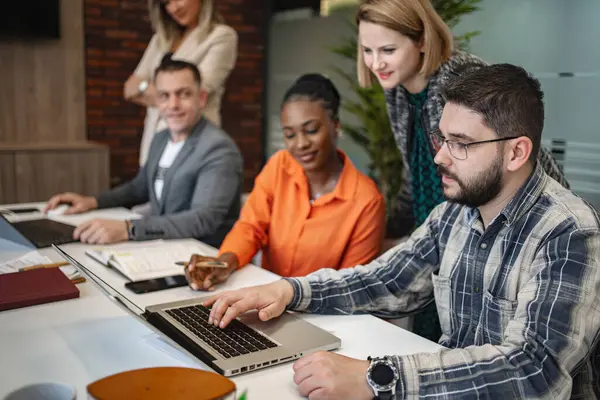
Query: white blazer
(215, 55)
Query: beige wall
(42, 84)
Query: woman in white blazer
(193, 31)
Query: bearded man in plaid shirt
(512, 261)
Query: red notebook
(38, 286)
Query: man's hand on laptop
(205, 277)
(78, 203)
(101, 231)
(270, 300)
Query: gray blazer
(201, 193)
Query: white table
(81, 340)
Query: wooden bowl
(174, 383)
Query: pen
(38, 266)
(78, 279)
(205, 264)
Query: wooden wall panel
(43, 84)
(7, 179)
(42, 174)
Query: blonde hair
(416, 19)
(168, 30)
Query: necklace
(330, 187)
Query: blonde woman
(409, 49)
(193, 31)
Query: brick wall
(116, 34)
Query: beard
(478, 190)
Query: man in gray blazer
(192, 178)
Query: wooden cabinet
(34, 172)
(7, 179)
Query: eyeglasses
(458, 149)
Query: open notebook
(152, 260)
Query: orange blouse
(341, 229)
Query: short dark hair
(510, 100)
(168, 64)
(315, 87)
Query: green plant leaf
(356, 135)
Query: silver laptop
(247, 344)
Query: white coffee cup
(43, 391)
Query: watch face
(382, 374)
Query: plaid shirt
(519, 302)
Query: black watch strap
(384, 396)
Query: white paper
(35, 258)
(70, 272)
(27, 260)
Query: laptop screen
(34, 231)
(110, 292)
(11, 239)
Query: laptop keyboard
(45, 232)
(233, 341)
(50, 240)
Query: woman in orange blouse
(310, 207)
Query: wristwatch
(382, 376)
(143, 86)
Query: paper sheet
(70, 271)
(34, 258)
(29, 259)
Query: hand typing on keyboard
(334, 375)
(236, 340)
(270, 300)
